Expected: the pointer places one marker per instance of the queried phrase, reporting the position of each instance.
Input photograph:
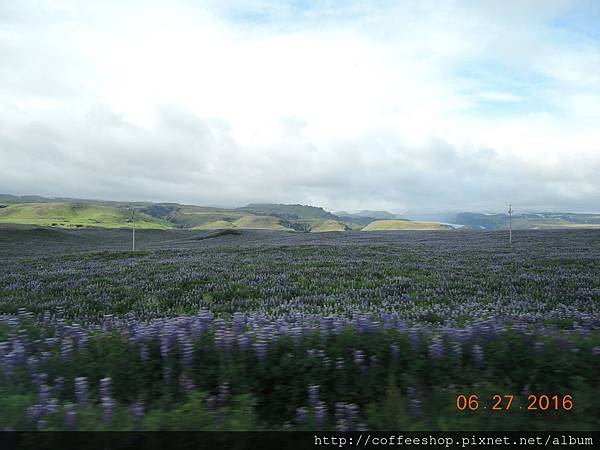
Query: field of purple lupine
(290, 331)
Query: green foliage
(408, 391)
(73, 214)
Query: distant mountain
(527, 221)
(67, 212)
(365, 217)
(72, 213)
(288, 212)
(23, 198)
(385, 215)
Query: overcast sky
(397, 105)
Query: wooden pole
(510, 211)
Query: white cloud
(495, 96)
(408, 105)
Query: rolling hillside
(328, 225)
(289, 212)
(76, 214)
(404, 225)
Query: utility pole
(510, 211)
(133, 234)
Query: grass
(202, 217)
(393, 225)
(246, 222)
(260, 223)
(328, 225)
(67, 214)
(216, 225)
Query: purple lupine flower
(67, 349)
(596, 351)
(167, 372)
(9, 364)
(224, 394)
(223, 339)
(59, 384)
(313, 395)
(538, 347)
(339, 363)
(211, 402)
(39, 378)
(260, 347)
(52, 406)
(296, 334)
(358, 357)
(478, 356)
(186, 348)
(108, 405)
(32, 365)
(44, 394)
(337, 327)
(144, 353)
(239, 321)
(320, 415)
(457, 350)
(243, 341)
(165, 342)
(137, 411)
(414, 338)
(186, 383)
(70, 417)
(35, 412)
(340, 417)
(105, 387)
(394, 352)
(415, 404)
(82, 339)
(361, 427)
(301, 415)
(81, 391)
(436, 348)
(351, 414)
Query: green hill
(328, 225)
(246, 222)
(187, 216)
(288, 212)
(399, 224)
(260, 223)
(76, 214)
(216, 225)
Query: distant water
(453, 225)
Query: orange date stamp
(505, 402)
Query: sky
(350, 105)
